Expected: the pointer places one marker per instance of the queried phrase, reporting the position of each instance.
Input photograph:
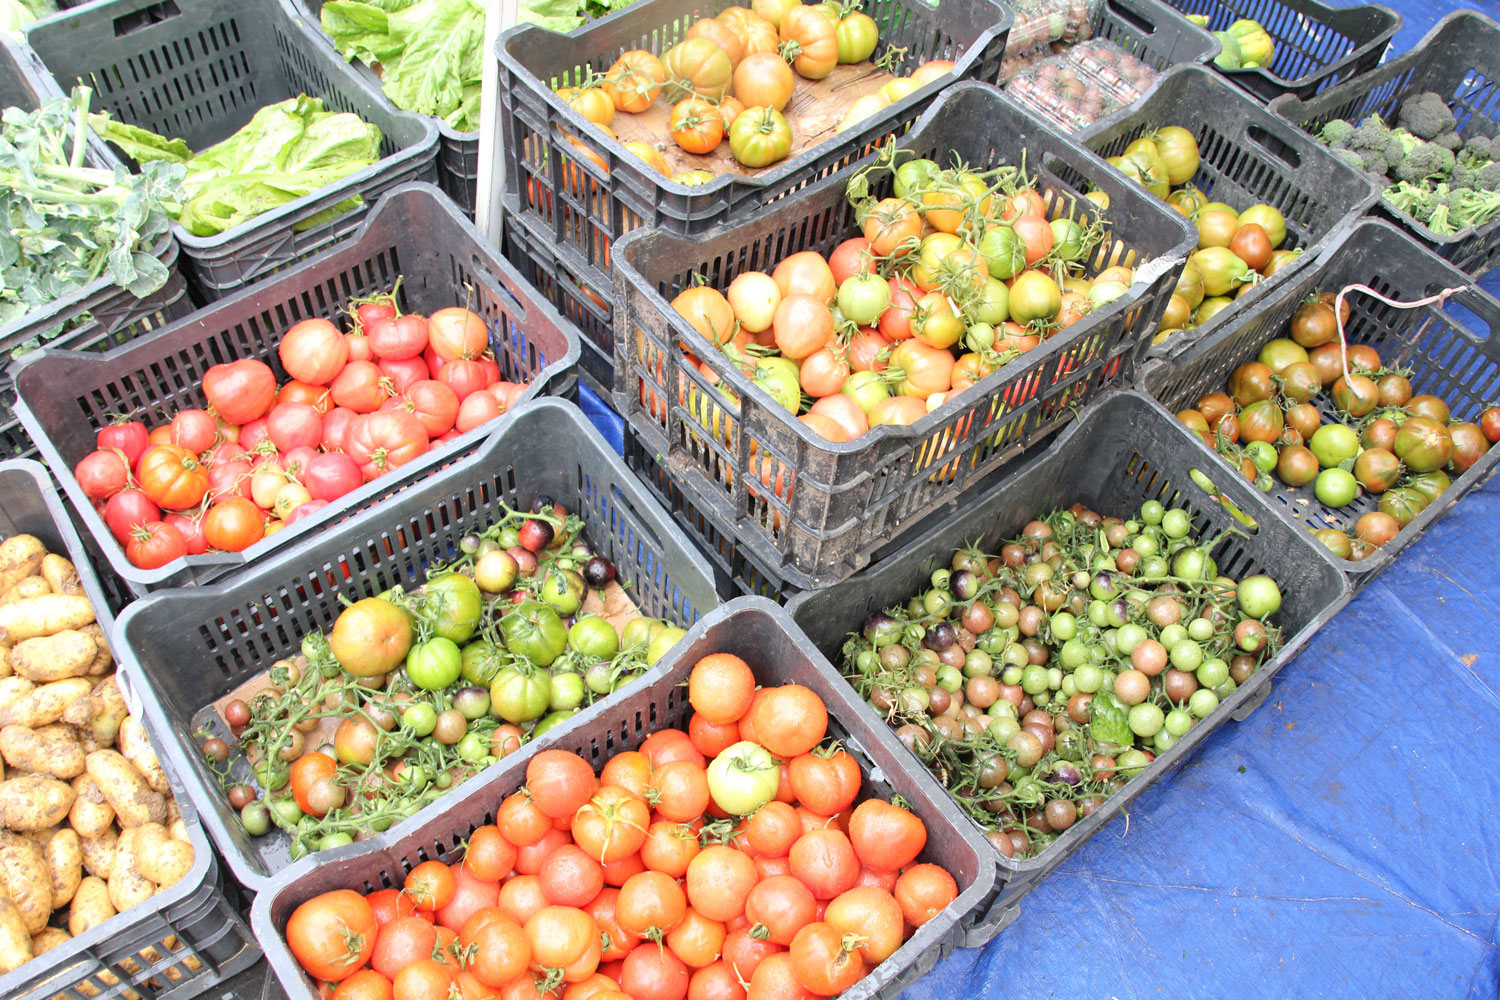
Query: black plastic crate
(762, 634)
(1449, 357)
(573, 288)
(130, 947)
(1248, 155)
(458, 152)
(841, 501)
(1122, 451)
(1460, 60)
(585, 207)
(416, 234)
(233, 631)
(199, 71)
(96, 316)
(1317, 45)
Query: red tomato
(254, 433)
(463, 377)
(335, 426)
(316, 396)
(851, 257)
(231, 478)
(470, 895)
(457, 333)
(153, 545)
(313, 351)
(333, 934)
(397, 338)
(130, 437)
(359, 346)
(191, 530)
(240, 391)
(195, 430)
(434, 403)
(102, 473)
(331, 475)
(385, 440)
(233, 524)
(294, 425)
(402, 374)
(358, 387)
(307, 509)
(479, 408)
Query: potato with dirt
(133, 800)
(53, 749)
(30, 802)
(44, 615)
(20, 556)
(44, 703)
(56, 657)
(23, 871)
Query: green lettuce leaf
(1109, 722)
(554, 15)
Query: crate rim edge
(563, 367)
(987, 877)
(624, 273)
(929, 93)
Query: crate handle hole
(1132, 17)
(128, 24)
(1273, 145)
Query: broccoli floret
(1462, 176)
(1451, 141)
(1407, 141)
(1372, 135)
(1426, 115)
(1351, 157)
(1427, 160)
(1336, 133)
(1478, 148)
(1487, 178)
(1373, 161)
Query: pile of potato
(88, 825)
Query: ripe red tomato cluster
(624, 886)
(263, 456)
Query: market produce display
(734, 76)
(957, 273)
(88, 823)
(738, 858)
(429, 54)
(1237, 247)
(1311, 411)
(1035, 681)
(69, 223)
(410, 693)
(285, 151)
(1445, 182)
(262, 456)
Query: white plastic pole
(499, 15)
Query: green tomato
(914, 174)
(1212, 673)
(780, 379)
(1187, 655)
(1200, 629)
(760, 137)
(331, 840)
(1179, 722)
(256, 818)
(1088, 678)
(534, 630)
(1333, 444)
(1034, 680)
(1129, 636)
(552, 720)
(993, 304)
(857, 36)
(473, 747)
(434, 664)
(420, 718)
(520, 694)
(663, 643)
(1202, 703)
(1336, 487)
(1064, 626)
(594, 637)
(567, 691)
(1131, 762)
(1175, 523)
(285, 812)
(1258, 596)
(564, 589)
(1262, 455)
(1145, 719)
(482, 660)
(453, 605)
(863, 297)
(743, 778)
